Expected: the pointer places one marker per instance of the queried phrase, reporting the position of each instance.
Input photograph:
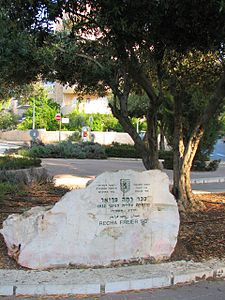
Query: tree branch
(83, 56)
(216, 102)
(141, 78)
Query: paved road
(208, 290)
(219, 150)
(89, 168)
(199, 291)
(210, 187)
(4, 146)
(94, 167)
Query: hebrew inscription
(118, 209)
(120, 216)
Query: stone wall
(104, 138)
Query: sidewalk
(106, 280)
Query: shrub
(199, 165)
(167, 157)
(121, 150)
(105, 122)
(8, 187)
(77, 121)
(15, 163)
(75, 137)
(129, 151)
(93, 150)
(8, 120)
(213, 165)
(67, 149)
(40, 151)
(97, 121)
(165, 154)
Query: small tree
(131, 45)
(8, 120)
(45, 111)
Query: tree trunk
(178, 149)
(183, 188)
(185, 198)
(152, 138)
(182, 170)
(149, 152)
(183, 157)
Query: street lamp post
(33, 119)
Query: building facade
(69, 100)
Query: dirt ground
(202, 234)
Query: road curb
(208, 180)
(106, 280)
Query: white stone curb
(106, 280)
(205, 180)
(208, 180)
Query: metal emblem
(124, 185)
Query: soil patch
(201, 236)
(32, 195)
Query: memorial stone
(120, 217)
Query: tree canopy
(164, 49)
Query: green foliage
(77, 121)
(104, 122)
(194, 102)
(138, 104)
(134, 41)
(66, 150)
(208, 140)
(19, 57)
(222, 122)
(129, 151)
(213, 165)
(15, 163)
(8, 120)
(75, 137)
(142, 124)
(7, 187)
(201, 165)
(198, 165)
(45, 111)
(121, 150)
(100, 122)
(167, 160)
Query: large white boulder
(120, 216)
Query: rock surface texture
(120, 217)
